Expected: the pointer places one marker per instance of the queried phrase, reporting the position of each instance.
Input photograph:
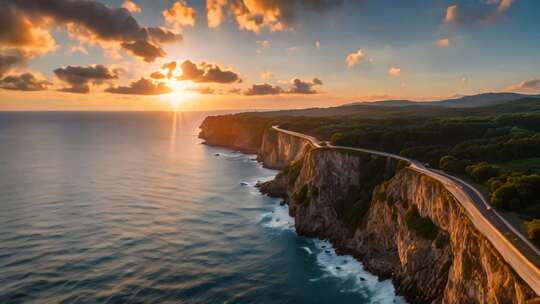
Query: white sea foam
(352, 272)
(278, 218)
(308, 250)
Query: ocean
(133, 208)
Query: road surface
(516, 250)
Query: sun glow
(180, 94)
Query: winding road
(515, 248)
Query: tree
(533, 230)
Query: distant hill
(480, 100)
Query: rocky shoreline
(399, 223)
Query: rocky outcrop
(278, 149)
(234, 131)
(400, 223)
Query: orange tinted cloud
(444, 43)
(131, 6)
(207, 72)
(256, 15)
(355, 58)
(180, 14)
(393, 71)
(90, 20)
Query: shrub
(483, 171)
(294, 171)
(337, 138)
(533, 230)
(423, 226)
(302, 197)
(453, 165)
(355, 213)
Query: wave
(353, 275)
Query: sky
(199, 55)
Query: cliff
(400, 223)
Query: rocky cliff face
(278, 150)
(398, 222)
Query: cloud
(206, 72)
(204, 90)
(477, 12)
(298, 86)
(451, 14)
(24, 82)
(157, 75)
(292, 49)
(11, 59)
(266, 75)
(215, 12)
(532, 85)
(256, 15)
(91, 21)
(353, 59)
(180, 14)
(443, 43)
(304, 87)
(263, 89)
(131, 6)
(170, 67)
(144, 49)
(142, 86)
(263, 43)
(80, 77)
(23, 32)
(393, 71)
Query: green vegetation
(302, 197)
(293, 171)
(421, 225)
(496, 146)
(533, 231)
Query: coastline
(318, 183)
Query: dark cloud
(24, 82)
(79, 77)
(18, 31)
(206, 72)
(142, 86)
(96, 20)
(303, 87)
(12, 59)
(317, 81)
(263, 89)
(144, 49)
(298, 87)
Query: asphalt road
(515, 249)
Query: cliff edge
(400, 223)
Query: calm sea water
(132, 208)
